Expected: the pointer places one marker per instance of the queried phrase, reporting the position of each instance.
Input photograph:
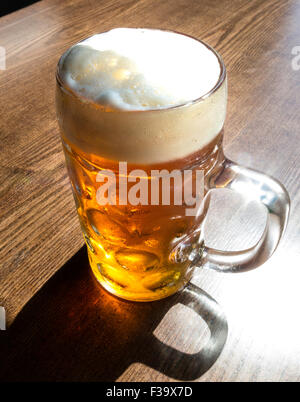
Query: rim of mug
(201, 98)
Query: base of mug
(136, 297)
(139, 294)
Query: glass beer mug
(131, 165)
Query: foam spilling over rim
(140, 69)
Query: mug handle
(260, 187)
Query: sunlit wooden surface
(62, 326)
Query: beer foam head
(118, 74)
(140, 69)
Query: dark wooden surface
(61, 325)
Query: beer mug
(142, 175)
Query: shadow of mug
(73, 330)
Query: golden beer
(131, 247)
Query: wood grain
(99, 337)
(40, 232)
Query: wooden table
(61, 325)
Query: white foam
(140, 69)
